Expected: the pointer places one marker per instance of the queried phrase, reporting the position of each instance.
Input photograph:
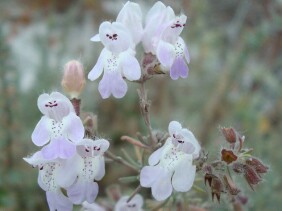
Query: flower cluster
(240, 161)
(171, 165)
(159, 36)
(67, 160)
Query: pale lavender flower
(50, 172)
(91, 207)
(131, 17)
(170, 167)
(172, 51)
(161, 38)
(60, 126)
(135, 203)
(116, 60)
(90, 166)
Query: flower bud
(73, 80)
(251, 176)
(229, 134)
(257, 165)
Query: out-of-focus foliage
(235, 80)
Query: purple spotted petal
(112, 83)
(57, 201)
(83, 191)
(179, 69)
(59, 148)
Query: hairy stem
(145, 111)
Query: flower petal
(83, 191)
(174, 127)
(57, 201)
(187, 54)
(174, 29)
(99, 66)
(130, 67)
(162, 187)
(73, 127)
(184, 175)
(179, 69)
(131, 17)
(165, 54)
(115, 36)
(149, 175)
(55, 106)
(41, 133)
(123, 205)
(112, 83)
(189, 137)
(36, 159)
(101, 169)
(95, 38)
(58, 148)
(72, 166)
(155, 156)
(92, 207)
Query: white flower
(156, 20)
(116, 60)
(135, 203)
(89, 166)
(59, 125)
(171, 165)
(131, 17)
(48, 179)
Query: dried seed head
(73, 79)
(229, 134)
(257, 165)
(208, 177)
(251, 176)
(216, 188)
(228, 156)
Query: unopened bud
(257, 165)
(251, 176)
(73, 80)
(229, 134)
(228, 156)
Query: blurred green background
(235, 80)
